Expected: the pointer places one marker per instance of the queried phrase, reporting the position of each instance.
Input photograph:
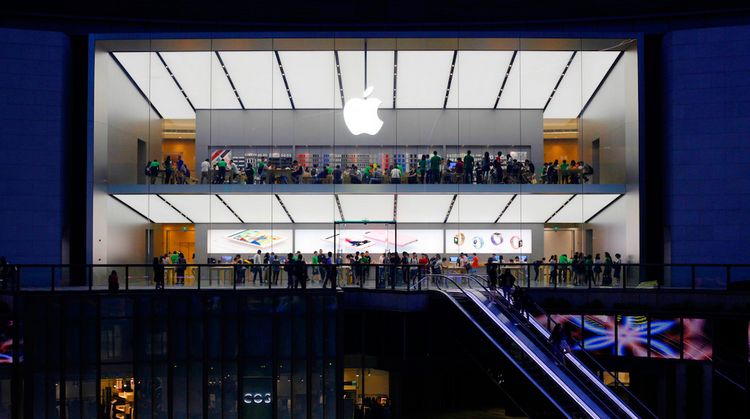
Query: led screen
(599, 334)
(249, 241)
(632, 336)
(375, 240)
(488, 241)
(697, 339)
(665, 338)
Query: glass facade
(222, 147)
(187, 356)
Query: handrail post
(197, 275)
(52, 271)
(91, 277)
(127, 277)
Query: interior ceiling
(179, 83)
(402, 208)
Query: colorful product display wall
(641, 336)
(488, 241)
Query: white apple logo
(361, 114)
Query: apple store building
(520, 148)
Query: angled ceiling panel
(202, 208)
(533, 208)
(148, 72)
(258, 208)
(152, 207)
(477, 78)
(202, 78)
(367, 207)
(586, 72)
(422, 79)
(532, 79)
(478, 208)
(583, 207)
(311, 208)
(422, 208)
(257, 77)
(312, 79)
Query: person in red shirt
(474, 263)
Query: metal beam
(338, 74)
(505, 79)
(143, 94)
(176, 82)
(229, 208)
(283, 77)
(229, 78)
(560, 209)
(450, 208)
(175, 208)
(506, 208)
(450, 79)
(278, 198)
(601, 82)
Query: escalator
(573, 390)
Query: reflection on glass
(697, 339)
(664, 340)
(599, 334)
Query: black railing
(695, 277)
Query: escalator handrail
(641, 406)
(523, 346)
(581, 367)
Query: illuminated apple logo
(361, 114)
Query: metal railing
(691, 277)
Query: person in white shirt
(257, 269)
(395, 174)
(205, 167)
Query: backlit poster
(697, 339)
(571, 325)
(632, 336)
(488, 241)
(249, 241)
(599, 334)
(665, 338)
(374, 241)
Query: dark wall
(707, 123)
(33, 73)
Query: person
(616, 268)
(168, 170)
(563, 263)
(257, 268)
(322, 175)
(205, 169)
(180, 269)
(222, 168)
(180, 165)
(297, 172)
(586, 171)
(354, 175)
(497, 164)
(468, 167)
(412, 176)
(491, 267)
(486, 167)
(337, 175)
(559, 343)
(395, 174)
(174, 258)
(507, 281)
(537, 263)
(607, 275)
(597, 269)
(239, 270)
(474, 263)
(289, 269)
(435, 161)
(113, 281)
(300, 272)
(331, 272)
(158, 274)
(423, 168)
(249, 174)
(588, 263)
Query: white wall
(121, 117)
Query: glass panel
(664, 337)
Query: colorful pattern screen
(640, 336)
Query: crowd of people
(580, 269)
(468, 169)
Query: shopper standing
(158, 273)
(435, 162)
(205, 170)
(468, 168)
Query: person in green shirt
(222, 166)
(563, 263)
(174, 257)
(422, 168)
(564, 171)
(468, 168)
(435, 162)
(153, 170)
